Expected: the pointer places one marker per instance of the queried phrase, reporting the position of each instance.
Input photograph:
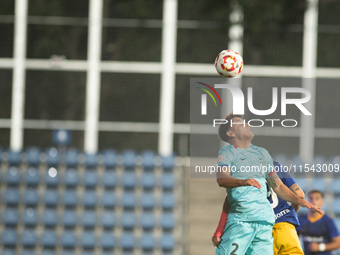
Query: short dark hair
(224, 128)
(316, 191)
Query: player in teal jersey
(243, 170)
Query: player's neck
(241, 144)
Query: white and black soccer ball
(229, 63)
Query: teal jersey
(248, 203)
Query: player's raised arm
(286, 194)
(224, 180)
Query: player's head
(315, 197)
(235, 129)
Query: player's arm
(295, 188)
(286, 194)
(225, 180)
(216, 239)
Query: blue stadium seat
(8, 251)
(108, 199)
(33, 156)
(109, 179)
(30, 217)
(336, 186)
(88, 219)
(167, 242)
(71, 178)
(108, 220)
(319, 159)
(11, 196)
(148, 221)
(48, 239)
(10, 217)
(27, 252)
(337, 222)
(127, 241)
(110, 158)
(28, 238)
(168, 221)
(280, 158)
(31, 197)
(51, 198)
(72, 157)
(319, 184)
(128, 220)
(14, 157)
(129, 159)
(302, 183)
(129, 180)
(47, 252)
(52, 177)
(50, 218)
(168, 162)
(32, 176)
(148, 201)
(87, 253)
(297, 161)
(107, 241)
(68, 239)
(88, 240)
(147, 241)
(91, 160)
(336, 206)
(90, 179)
(52, 157)
(168, 201)
(70, 198)
(168, 181)
(9, 237)
(148, 181)
(69, 219)
(13, 176)
(148, 160)
(128, 200)
(67, 253)
(89, 198)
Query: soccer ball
(229, 63)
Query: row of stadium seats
(325, 185)
(90, 178)
(30, 218)
(297, 161)
(71, 157)
(87, 240)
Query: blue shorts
(242, 237)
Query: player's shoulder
(227, 149)
(261, 149)
(326, 217)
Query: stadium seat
(108, 220)
(168, 221)
(52, 157)
(148, 160)
(319, 159)
(168, 201)
(168, 181)
(108, 199)
(11, 196)
(10, 217)
(91, 160)
(67, 253)
(148, 181)
(88, 219)
(48, 239)
(147, 241)
(14, 157)
(47, 252)
(70, 198)
(28, 238)
(336, 186)
(147, 221)
(107, 241)
(87, 253)
(30, 217)
(319, 184)
(71, 178)
(129, 180)
(88, 240)
(31, 197)
(302, 183)
(337, 222)
(127, 241)
(8, 252)
(27, 252)
(13, 176)
(90, 179)
(51, 198)
(129, 159)
(168, 162)
(128, 200)
(52, 177)
(69, 219)
(167, 242)
(148, 201)
(68, 239)
(32, 177)
(9, 237)
(128, 220)
(89, 198)
(109, 179)
(33, 156)
(110, 159)
(280, 158)
(72, 157)
(50, 218)
(336, 206)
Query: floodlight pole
(168, 77)
(93, 76)
(19, 75)
(309, 63)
